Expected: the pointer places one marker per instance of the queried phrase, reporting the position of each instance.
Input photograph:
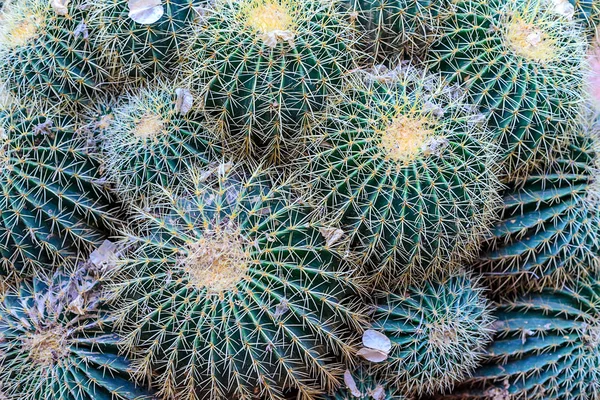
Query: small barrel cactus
(53, 205)
(523, 64)
(547, 347)
(267, 66)
(549, 228)
(55, 343)
(389, 28)
(230, 292)
(45, 52)
(142, 38)
(407, 169)
(153, 137)
(438, 332)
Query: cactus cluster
(299, 199)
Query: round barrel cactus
(407, 169)
(547, 346)
(230, 292)
(389, 28)
(152, 138)
(523, 65)
(45, 52)
(266, 66)
(549, 228)
(53, 204)
(55, 345)
(438, 332)
(140, 39)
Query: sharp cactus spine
(549, 231)
(53, 206)
(267, 66)
(47, 57)
(407, 169)
(523, 65)
(366, 382)
(149, 141)
(56, 343)
(232, 292)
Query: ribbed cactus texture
(546, 347)
(55, 344)
(438, 331)
(53, 205)
(267, 66)
(231, 292)
(47, 57)
(138, 50)
(390, 28)
(522, 64)
(549, 228)
(407, 169)
(149, 141)
(588, 11)
(367, 386)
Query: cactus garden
(299, 199)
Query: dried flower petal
(378, 393)
(372, 355)
(376, 340)
(351, 384)
(331, 235)
(184, 101)
(60, 6)
(145, 11)
(276, 36)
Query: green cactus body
(148, 141)
(142, 50)
(549, 232)
(46, 57)
(523, 65)
(53, 207)
(407, 170)
(369, 385)
(54, 343)
(393, 27)
(231, 293)
(438, 331)
(547, 347)
(267, 66)
(588, 11)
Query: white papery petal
(376, 340)
(378, 393)
(351, 384)
(372, 355)
(145, 11)
(184, 101)
(60, 7)
(331, 235)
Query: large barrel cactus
(149, 140)
(46, 53)
(140, 39)
(523, 64)
(438, 332)
(407, 169)
(547, 347)
(54, 207)
(230, 292)
(55, 342)
(267, 66)
(549, 228)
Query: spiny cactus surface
(523, 65)
(407, 169)
(389, 28)
(438, 330)
(549, 228)
(55, 346)
(546, 347)
(232, 293)
(53, 205)
(142, 41)
(46, 55)
(364, 383)
(149, 140)
(267, 66)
